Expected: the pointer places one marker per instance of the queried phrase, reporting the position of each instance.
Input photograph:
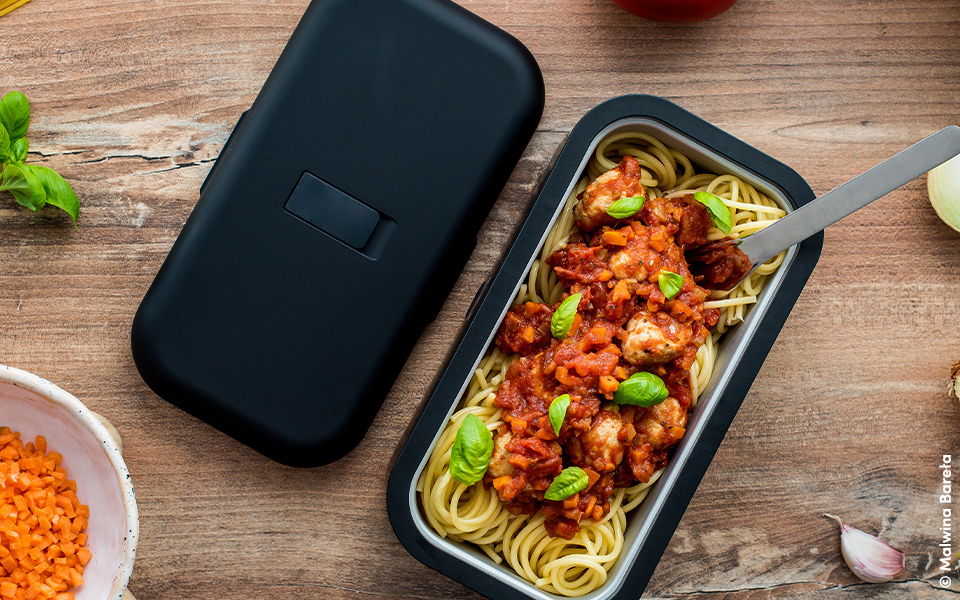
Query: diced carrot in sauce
(658, 240)
(530, 308)
(591, 504)
(608, 384)
(42, 542)
(528, 335)
(614, 238)
(621, 292)
(681, 311)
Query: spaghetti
(531, 544)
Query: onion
(943, 187)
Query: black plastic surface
(500, 292)
(286, 329)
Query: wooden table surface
(133, 100)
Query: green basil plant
(33, 186)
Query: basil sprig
(626, 207)
(570, 481)
(471, 451)
(562, 319)
(717, 209)
(32, 186)
(670, 283)
(558, 411)
(641, 389)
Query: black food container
(742, 352)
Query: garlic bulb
(870, 558)
(943, 187)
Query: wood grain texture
(133, 100)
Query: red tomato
(675, 11)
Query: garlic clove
(870, 558)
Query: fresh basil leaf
(471, 451)
(24, 185)
(15, 114)
(19, 149)
(717, 209)
(58, 191)
(670, 283)
(4, 144)
(626, 207)
(562, 319)
(558, 411)
(570, 481)
(641, 389)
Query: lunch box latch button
(332, 211)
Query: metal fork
(863, 189)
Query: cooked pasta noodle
(473, 514)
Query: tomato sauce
(625, 323)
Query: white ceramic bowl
(34, 406)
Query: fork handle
(863, 189)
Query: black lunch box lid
(335, 222)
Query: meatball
(599, 448)
(654, 338)
(686, 218)
(644, 252)
(623, 181)
(499, 461)
(720, 265)
(625, 265)
(663, 424)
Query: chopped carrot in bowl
(42, 551)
